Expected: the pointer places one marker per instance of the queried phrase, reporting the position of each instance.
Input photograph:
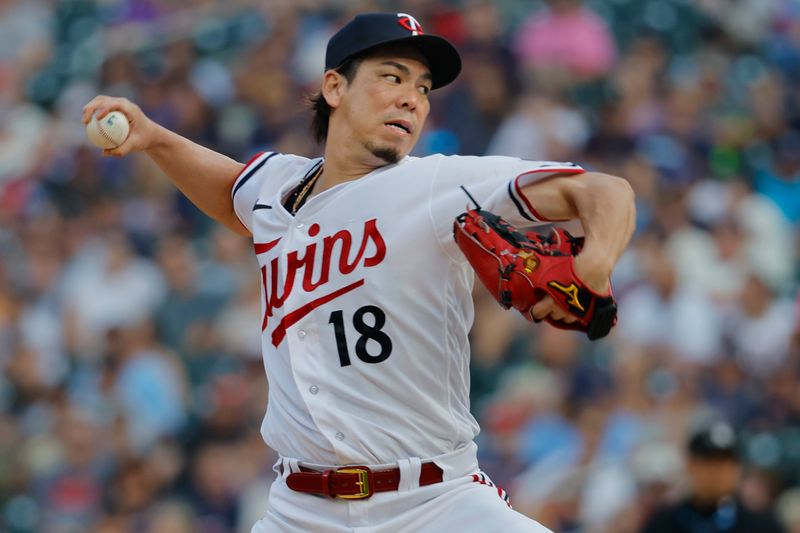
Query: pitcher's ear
(333, 86)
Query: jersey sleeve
(495, 183)
(252, 185)
(246, 188)
(509, 200)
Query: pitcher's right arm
(203, 175)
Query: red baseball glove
(520, 269)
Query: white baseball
(109, 132)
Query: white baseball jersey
(367, 302)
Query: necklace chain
(305, 190)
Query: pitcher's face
(386, 104)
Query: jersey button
(339, 435)
(313, 389)
(301, 333)
(300, 225)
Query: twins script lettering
(316, 270)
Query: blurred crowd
(132, 384)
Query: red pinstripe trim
(249, 169)
(524, 198)
(259, 154)
(481, 480)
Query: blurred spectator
(239, 326)
(759, 331)
(106, 286)
(171, 517)
(149, 386)
(133, 384)
(737, 232)
(667, 316)
(40, 313)
(484, 37)
(493, 347)
(541, 128)
(788, 508)
(25, 31)
(658, 469)
(714, 471)
(780, 181)
(131, 492)
(213, 496)
(23, 130)
(748, 21)
(71, 493)
(185, 303)
(567, 41)
(474, 108)
(729, 390)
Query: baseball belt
(356, 482)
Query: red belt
(356, 482)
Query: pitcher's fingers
(561, 315)
(557, 314)
(119, 151)
(568, 318)
(101, 105)
(88, 111)
(542, 308)
(95, 104)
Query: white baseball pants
(465, 501)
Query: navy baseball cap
(369, 30)
(717, 439)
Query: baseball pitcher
(367, 260)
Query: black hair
(320, 107)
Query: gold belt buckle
(363, 482)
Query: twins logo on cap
(410, 23)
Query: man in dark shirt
(712, 505)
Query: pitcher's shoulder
(270, 168)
